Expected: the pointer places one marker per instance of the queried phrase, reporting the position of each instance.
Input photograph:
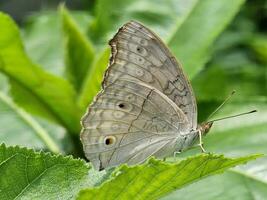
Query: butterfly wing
(145, 106)
(138, 54)
(129, 122)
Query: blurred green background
(53, 59)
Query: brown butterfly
(146, 106)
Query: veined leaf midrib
(187, 182)
(38, 177)
(46, 174)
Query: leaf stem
(38, 129)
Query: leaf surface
(157, 178)
(79, 52)
(50, 96)
(192, 41)
(25, 174)
(92, 83)
(24, 128)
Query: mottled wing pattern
(145, 106)
(139, 55)
(128, 122)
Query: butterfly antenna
(220, 106)
(232, 116)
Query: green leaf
(52, 96)
(92, 84)
(15, 120)
(192, 41)
(219, 79)
(231, 185)
(234, 137)
(4, 87)
(43, 40)
(25, 174)
(162, 16)
(156, 178)
(259, 45)
(79, 52)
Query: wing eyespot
(121, 105)
(109, 140)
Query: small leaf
(157, 178)
(50, 94)
(79, 52)
(25, 174)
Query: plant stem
(38, 129)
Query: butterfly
(146, 106)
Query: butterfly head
(205, 127)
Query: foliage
(39, 175)
(156, 179)
(30, 175)
(50, 96)
(53, 66)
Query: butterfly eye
(109, 140)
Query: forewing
(139, 55)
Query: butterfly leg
(201, 142)
(175, 153)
